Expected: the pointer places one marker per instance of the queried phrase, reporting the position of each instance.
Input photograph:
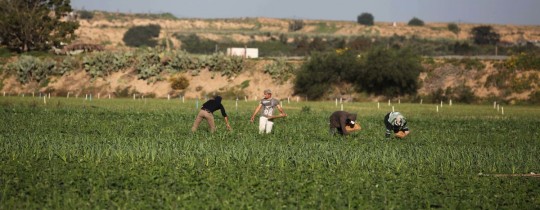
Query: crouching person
(206, 113)
(339, 120)
(395, 122)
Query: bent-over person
(395, 121)
(339, 120)
(206, 112)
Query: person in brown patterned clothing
(340, 119)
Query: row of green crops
(140, 154)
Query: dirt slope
(109, 33)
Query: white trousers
(265, 125)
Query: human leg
(262, 124)
(198, 120)
(210, 119)
(269, 125)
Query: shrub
(484, 35)
(317, 44)
(438, 96)
(534, 97)
(296, 25)
(415, 22)
(193, 44)
(124, 92)
(323, 70)
(279, 70)
(454, 28)
(365, 19)
(464, 94)
(139, 36)
(179, 82)
(102, 64)
(389, 72)
(29, 68)
(86, 15)
(523, 61)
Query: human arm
(227, 123)
(255, 112)
(282, 113)
(343, 124)
(387, 125)
(405, 129)
(224, 114)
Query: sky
(517, 12)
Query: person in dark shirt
(206, 113)
(340, 119)
(395, 121)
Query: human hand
(229, 127)
(400, 134)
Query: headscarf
(396, 119)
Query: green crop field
(140, 154)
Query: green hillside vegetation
(374, 65)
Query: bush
(534, 97)
(139, 36)
(193, 44)
(438, 96)
(179, 82)
(484, 35)
(365, 19)
(28, 68)
(415, 22)
(296, 25)
(464, 94)
(322, 70)
(523, 62)
(86, 15)
(389, 72)
(125, 92)
(454, 28)
(280, 70)
(149, 65)
(102, 64)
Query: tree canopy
(484, 35)
(415, 22)
(386, 72)
(323, 70)
(389, 72)
(365, 19)
(36, 24)
(138, 36)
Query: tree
(484, 35)
(365, 19)
(454, 28)
(322, 70)
(389, 72)
(138, 36)
(86, 15)
(35, 25)
(415, 22)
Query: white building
(244, 52)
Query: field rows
(140, 154)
